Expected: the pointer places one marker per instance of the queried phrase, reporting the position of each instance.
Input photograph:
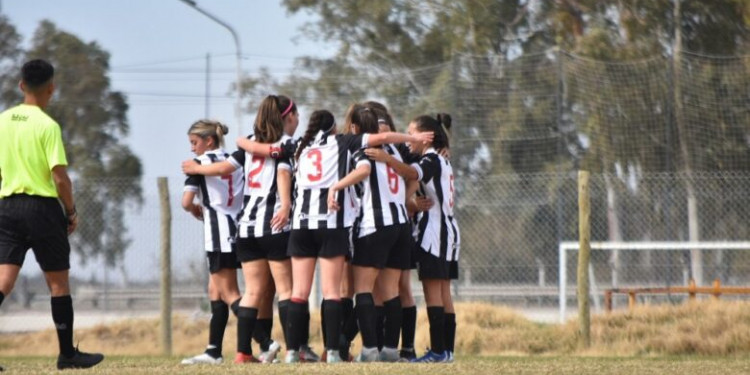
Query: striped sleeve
(427, 167)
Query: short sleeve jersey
(30, 146)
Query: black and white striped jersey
(261, 199)
(221, 198)
(383, 196)
(438, 229)
(321, 164)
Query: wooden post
(631, 300)
(717, 289)
(608, 300)
(584, 253)
(166, 268)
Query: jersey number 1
(231, 188)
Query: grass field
(681, 365)
(703, 338)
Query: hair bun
(224, 129)
(445, 120)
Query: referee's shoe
(79, 360)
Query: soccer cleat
(292, 356)
(332, 356)
(431, 356)
(306, 354)
(270, 355)
(407, 354)
(245, 358)
(450, 356)
(79, 360)
(203, 358)
(368, 355)
(389, 355)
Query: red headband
(288, 109)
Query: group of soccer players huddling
(366, 202)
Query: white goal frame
(564, 247)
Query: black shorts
(273, 247)
(387, 247)
(432, 267)
(28, 221)
(319, 243)
(218, 261)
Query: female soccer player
(263, 222)
(439, 238)
(323, 159)
(382, 247)
(220, 201)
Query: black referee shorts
(28, 221)
(319, 243)
(387, 247)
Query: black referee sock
(393, 318)
(450, 331)
(296, 328)
(283, 311)
(262, 333)
(216, 327)
(2, 297)
(62, 315)
(365, 310)
(246, 317)
(408, 327)
(380, 325)
(332, 312)
(235, 306)
(436, 316)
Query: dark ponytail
(269, 127)
(319, 120)
(366, 120)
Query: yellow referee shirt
(30, 146)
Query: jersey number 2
(254, 172)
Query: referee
(33, 182)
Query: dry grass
(704, 328)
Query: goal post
(565, 247)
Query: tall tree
(93, 119)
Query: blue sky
(158, 59)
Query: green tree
(93, 119)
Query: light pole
(237, 106)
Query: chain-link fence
(522, 128)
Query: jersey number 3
(317, 162)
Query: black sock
(2, 297)
(380, 325)
(365, 310)
(323, 321)
(261, 334)
(62, 315)
(450, 331)
(347, 311)
(351, 329)
(393, 318)
(305, 340)
(332, 313)
(235, 306)
(436, 316)
(296, 327)
(216, 327)
(408, 327)
(246, 317)
(283, 309)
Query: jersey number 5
(317, 162)
(254, 172)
